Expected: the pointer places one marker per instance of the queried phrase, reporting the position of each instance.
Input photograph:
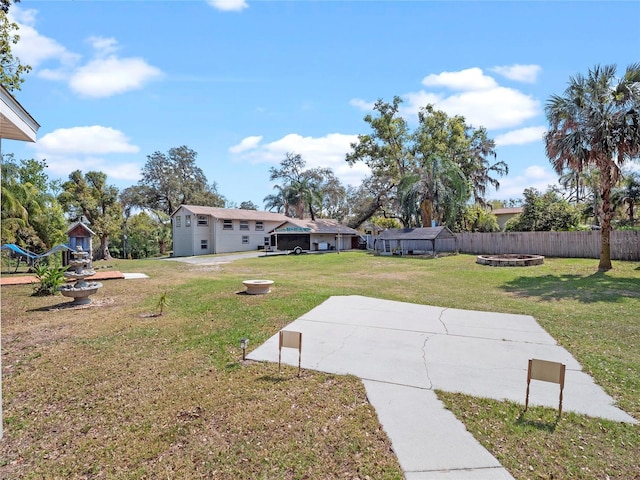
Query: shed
(80, 234)
(415, 241)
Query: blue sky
(242, 82)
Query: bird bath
(257, 287)
(80, 269)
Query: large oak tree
(89, 196)
(172, 179)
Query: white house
(204, 230)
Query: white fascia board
(15, 121)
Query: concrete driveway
(217, 259)
(402, 352)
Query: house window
(259, 226)
(244, 225)
(203, 220)
(267, 241)
(204, 244)
(227, 224)
(187, 220)
(245, 239)
(178, 221)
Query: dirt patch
(101, 302)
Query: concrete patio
(403, 351)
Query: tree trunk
(104, 248)
(605, 232)
(426, 209)
(365, 215)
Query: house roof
(507, 211)
(430, 233)
(75, 225)
(325, 225)
(234, 213)
(15, 121)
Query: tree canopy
(596, 122)
(315, 190)
(544, 212)
(12, 71)
(90, 197)
(170, 180)
(31, 215)
(428, 174)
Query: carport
(415, 241)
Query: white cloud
(361, 104)
(120, 171)
(328, 151)
(248, 143)
(89, 148)
(33, 48)
(498, 107)
(103, 76)
(469, 79)
(111, 76)
(519, 73)
(534, 176)
(61, 166)
(95, 139)
(104, 46)
(521, 136)
(228, 5)
(479, 98)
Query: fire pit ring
(510, 260)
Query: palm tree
(597, 122)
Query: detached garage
(314, 235)
(415, 241)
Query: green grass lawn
(112, 391)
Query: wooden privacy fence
(625, 245)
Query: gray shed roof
(430, 233)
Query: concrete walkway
(27, 279)
(402, 352)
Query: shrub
(51, 277)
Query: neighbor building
(503, 215)
(201, 230)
